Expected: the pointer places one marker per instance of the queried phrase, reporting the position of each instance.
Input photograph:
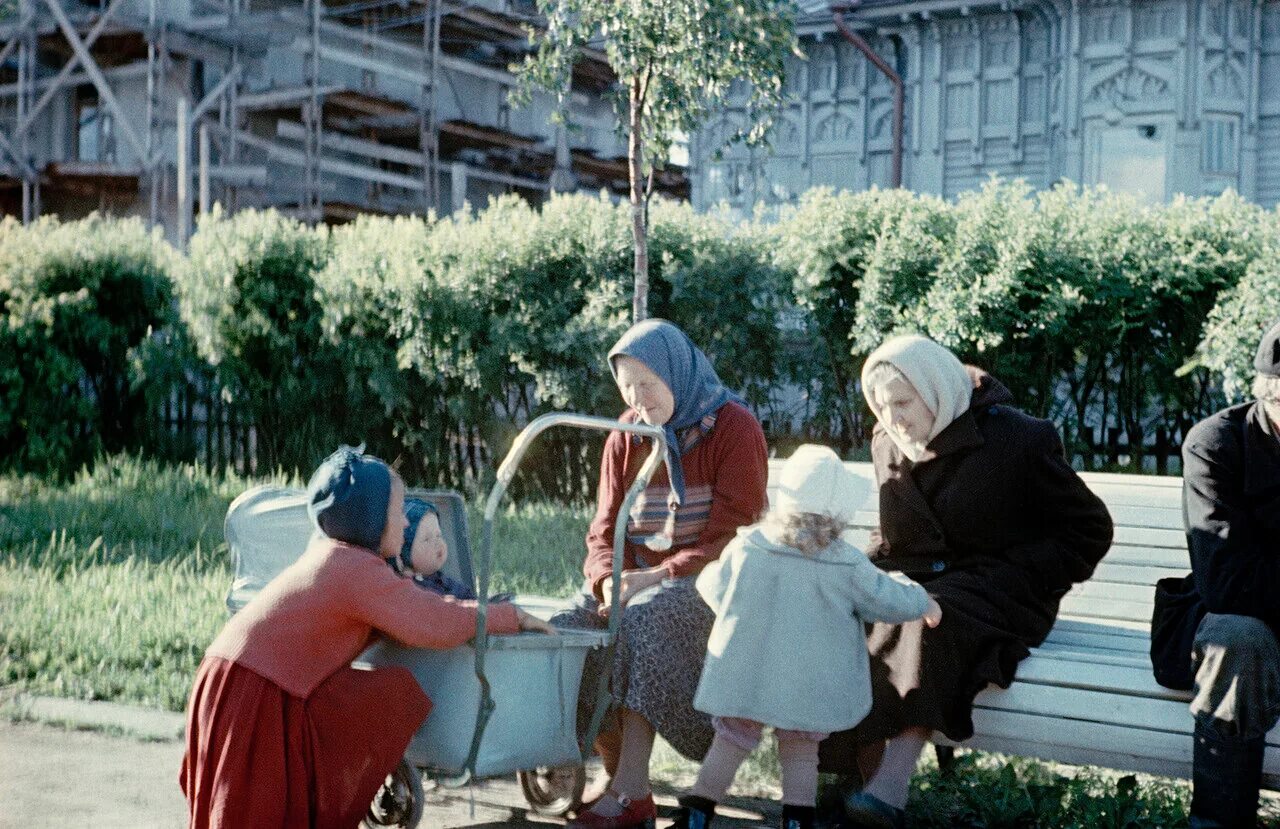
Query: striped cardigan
(725, 471)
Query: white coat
(788, 648)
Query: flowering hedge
(426, 339)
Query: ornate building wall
(1154, 97)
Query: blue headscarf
(348, 495)
(669, 353)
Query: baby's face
(429, 551)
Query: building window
(1220, 154)
(1130, 159)
(726, 181)
(823, 75)
(95, 129)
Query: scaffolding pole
(27, 55)
(314, 207)
(428, 136)
(228, 114)
(184, 172)
(153, 116)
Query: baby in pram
(425, 551)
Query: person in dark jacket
(1231, 506)
(979, 505)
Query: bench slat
(1110, 571)
(1090, 607)
(1113, 591)
(1092, 655)
(1078, 704)
(1124, 552)
(1123, 680)
(1113, 746)
(1103, 642)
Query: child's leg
(735, 738)
(798, 755)
(892, 781)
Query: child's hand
(528, 621)
(932, 613)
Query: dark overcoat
(1231, 501)
(996, 525)
(1231, 508)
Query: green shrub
(860, 262)
(248, 296)
(1241, 315)
(77, 301)
(429, 339)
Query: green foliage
(248, 296)
(78, 303)
(984, 790)
(424, 338)
(677, 62)
(374, 267)
(1086, 304)
(509, 331)
(861, 261)
(1242, 314)
(670, 58)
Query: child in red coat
(281, 730)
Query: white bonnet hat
(814, 480)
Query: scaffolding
(323, 110)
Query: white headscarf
(938, 376)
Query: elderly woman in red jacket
(979, 505)
(713, 483)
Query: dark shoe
(694, 812)
(831, 794)
(1226, 776)
(866, 811)
(797, 817)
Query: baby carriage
(501, 704)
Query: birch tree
(676, 62)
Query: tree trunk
(639, 233)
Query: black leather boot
(694, 812)
(797, 817)
(1226, 777)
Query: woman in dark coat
(978, 504)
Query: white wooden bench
(1087, 696)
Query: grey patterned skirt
(662, 642)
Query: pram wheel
(399, 802)
(555, 790)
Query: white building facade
(1150, 97)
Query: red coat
(281, 730)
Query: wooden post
(204, 170)
(184, 174)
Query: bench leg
(946, 757)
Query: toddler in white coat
(788, 648)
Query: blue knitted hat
(414, 510)
(347, 497)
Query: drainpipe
(838, 12)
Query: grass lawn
(112, 585)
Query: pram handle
(506, 472)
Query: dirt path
(55, 777)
